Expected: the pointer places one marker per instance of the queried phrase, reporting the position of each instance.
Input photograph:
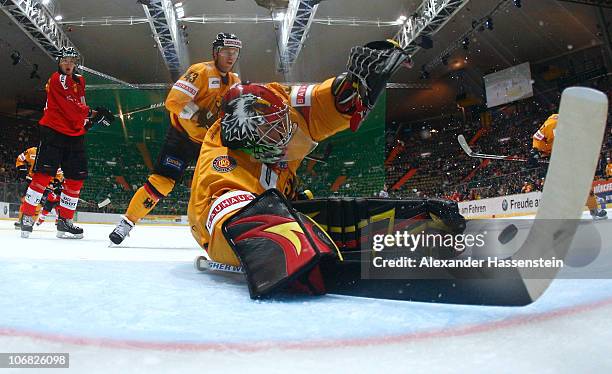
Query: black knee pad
(177, 152)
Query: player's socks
(142, 203)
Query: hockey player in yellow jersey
(25, 168)
(194, 103)
(246, 171)
(25, 162)
(543, 141)
(24, 165)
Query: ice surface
(142, 307)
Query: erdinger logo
(283, 231)
(224, 164)
(505, 205)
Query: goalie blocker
(280, 246)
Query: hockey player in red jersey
(65, 121)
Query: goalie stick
(201, 263)
(582, 121)
(468, 150)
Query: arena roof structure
(135, 42)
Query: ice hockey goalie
(240, 210)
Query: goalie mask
(257, 121)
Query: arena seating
(444, 170)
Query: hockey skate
(67, 230)
(121, 231)
(599, 214)
(26, 223)
(18, 225)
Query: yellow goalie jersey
(238, 177)
(543, 139)
(200, 89)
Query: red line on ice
(306, 345)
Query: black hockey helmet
(67, 52)
(225, 39)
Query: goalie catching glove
(369, 68)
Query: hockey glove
(22, 171)
(205, 118)
(534, 158)
(103, 117)
(56, 186)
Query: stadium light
(280, 16)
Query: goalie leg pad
(349, 221)
(277, 245)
